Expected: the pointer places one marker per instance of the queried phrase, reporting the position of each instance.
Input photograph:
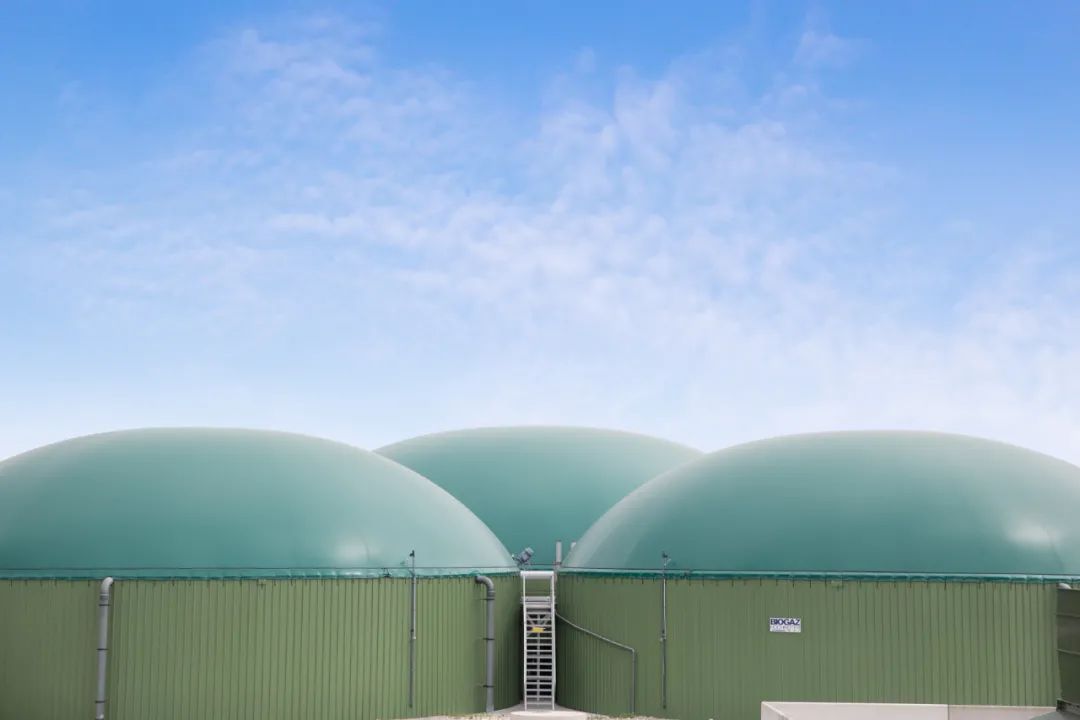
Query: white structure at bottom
(895, 711)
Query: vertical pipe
(103, 646)
(412, 631)
(663, 631)
(558, 554)
(489, 638)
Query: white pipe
(489, 679)
(412, 632)
(663, 634)
(103, 646)
(536, 574)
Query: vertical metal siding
(594, 675)
(333, 648)
(1068, 637)
(298, 648)
(896, 641)
(48, 644)
(508, 656)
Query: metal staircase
(538, 611)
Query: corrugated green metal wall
(862, 641)
(1068, 638)
(48, 646)
(310, 648)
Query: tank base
(556, 714)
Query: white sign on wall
(785, 625)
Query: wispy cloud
(821, 48)
(389, 250)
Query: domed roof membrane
(196, 502)
(534, 486)
(901, 503)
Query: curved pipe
(615, 643)
(104, 597)
(489, 678)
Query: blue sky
(709, 221)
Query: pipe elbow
(488, 583)
(106, 586)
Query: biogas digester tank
(257, 574)
(535, 486)
(857, 566)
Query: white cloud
(818, 49)
(586, 61)
(388, 251)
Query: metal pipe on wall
(489, 638)
(609, 641)
(104, 597)
(663, 631)
(412, 631)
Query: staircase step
(538, 628)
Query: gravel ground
(505, 715)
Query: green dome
(232, 503)
(900, 503)
(534, 486)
